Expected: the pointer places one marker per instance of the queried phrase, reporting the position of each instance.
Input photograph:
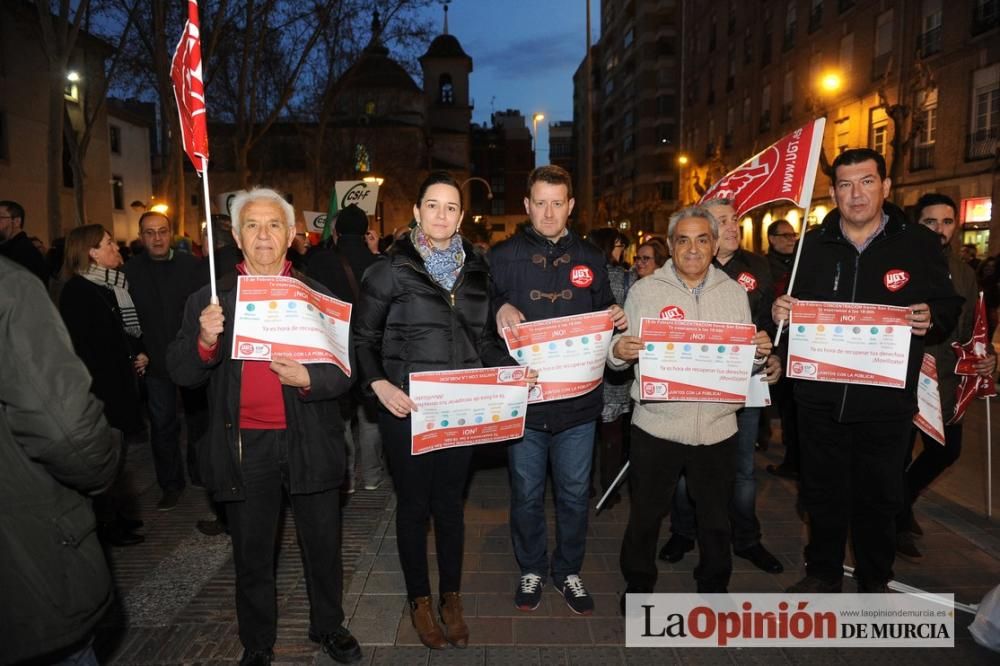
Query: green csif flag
(331, 215)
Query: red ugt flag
(973, 385)
(784, 171)
(189, 90)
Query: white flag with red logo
(189, 90)
(784, 171)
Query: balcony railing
(982, 144)
(985, 16)
(929, 43)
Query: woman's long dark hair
(605, 238)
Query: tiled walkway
(177, 588)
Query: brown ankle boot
(455, 628)
(427, 627)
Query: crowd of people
(152, 332)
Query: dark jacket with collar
(316, 449)
(831, 269)
(543, 280)
(55, 446)
(159, 289)
(753, 274)
(20, 249)
(327, 265)
(407, 322)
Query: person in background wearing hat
(339, 268)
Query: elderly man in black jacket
(274, 429)
(547, 271)
(55, 444)
(854, 437)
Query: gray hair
(259, 194)
(693, 211)
(721, 201)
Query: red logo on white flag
(672, 312)
(896, 279)
(581, 276)
(189, 90)
(747, 281)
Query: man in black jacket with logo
(854, 437)
(547, 271)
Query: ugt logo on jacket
(672, 312)
(581, 276)
(895, 279)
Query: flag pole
(208, 229)
(614, 484)
(795, 263)
(989, 461)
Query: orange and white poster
(698, 361)
(569, 353)
(281, 316)
(467, 407)
(929, 417)
(849, 343)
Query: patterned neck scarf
(443, 265)
(115, 281)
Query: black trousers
(851, 482)
(655, 465)
(787, 411)
(933, 460)
(253, 524)
(430, 484)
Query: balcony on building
(982, 144)
(929, 42)
(985, 16)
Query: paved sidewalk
(177, 589)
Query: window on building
(115, 139)
(628, 38)
(790, 25)
(710, 78)
(986, 15)
(766, 39)
(883, 44)
(878, 135)
(747, 46)
(847, 53)
(609, 85)
(370, 108)
(628, 143)
(667, 190)
(731, 70)
(765, 108)
(67, 166)
(985, 122)
(746, 109)
(926, 126)
(929, 41)
(498, 184)
(497, 207)
(815, 15)
(117, 193)
(787, 96)
(4, 154)
(446, 91)
(710, 146)
(731, 19)
(730, 126)
(665, 105)
(665, 133)
(362, 160)
(628, 119)
(711, 34)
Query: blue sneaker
(576, 596)
(529, 592)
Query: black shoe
(761, 558)
(340, 644)
(814, 585)
(906, 548)
(169, 500)
(113, 534)
(631, 589)
(256, 657)
(211, 527)
(880, 588)
(674, 549)
(783, 471)
(129, 524)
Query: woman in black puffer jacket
(426, 306)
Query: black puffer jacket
(406, 322)
(831, 269)
(543, 280)
(316, 430)
(54, 445)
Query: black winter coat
(317, 449)
(54, 445)
(406, 322)
(159, 290)
(831, 269)
(94, 322)
(543, 280)
(752, 272)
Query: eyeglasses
(786, 236)
(643, 259)
(619, 245)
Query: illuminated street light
(160, 208)
(534, 129)
(682, 160)
(374, 180)
(73, 76)
(831, 83)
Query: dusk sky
(524, 53)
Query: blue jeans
(571, 454)
(161, 399)
(742, 510)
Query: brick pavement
(177, 588)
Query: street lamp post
(534, 129)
